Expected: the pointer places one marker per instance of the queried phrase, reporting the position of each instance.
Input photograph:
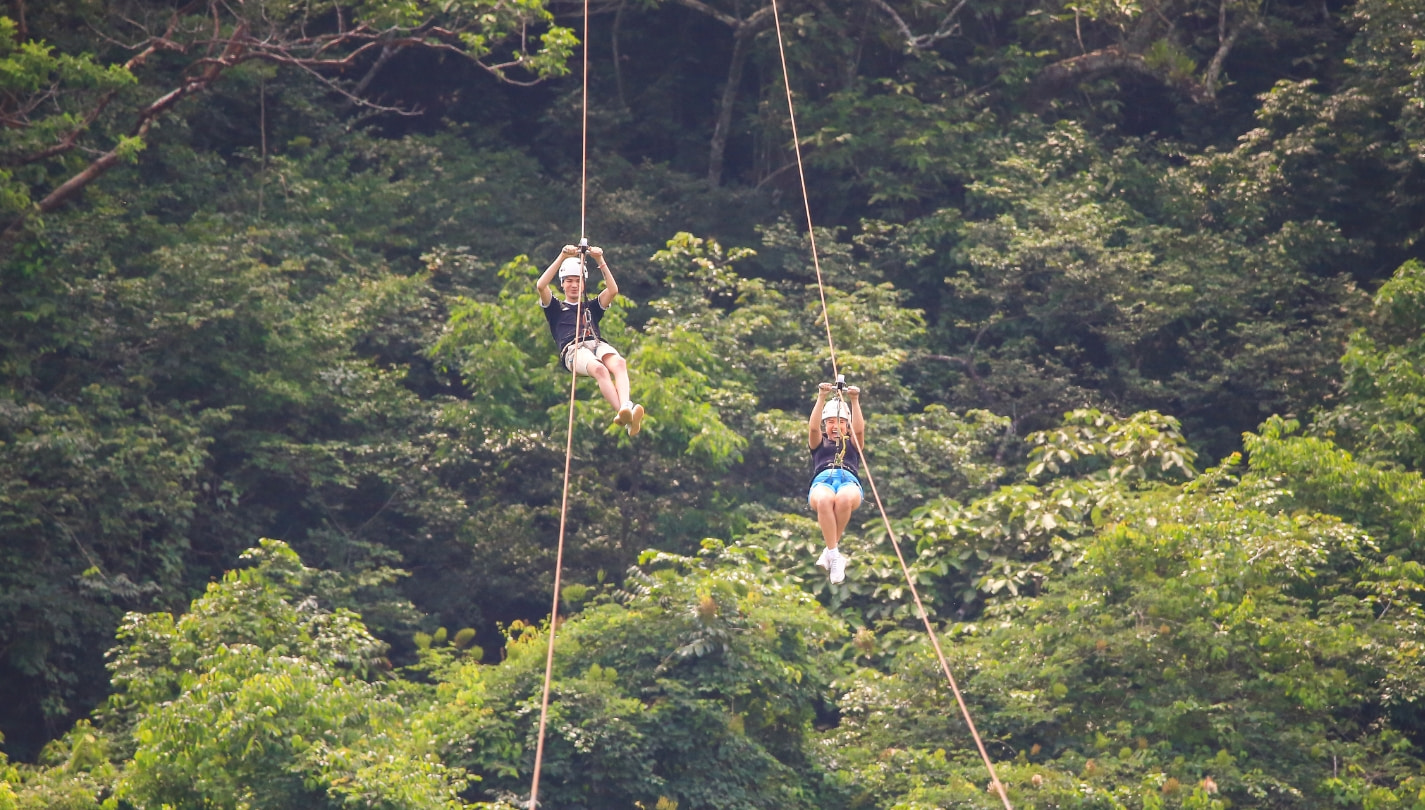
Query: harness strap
(567, 355)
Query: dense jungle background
(1134, 290)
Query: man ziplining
(574, 323)
(835, 461)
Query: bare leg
(823, 500)
(619, 368)
(606, 385)
(846, 502)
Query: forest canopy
(1134, 294)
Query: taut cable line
(831, 347)
(569, 438)
(554, 608)
(806, 198)
(584, 138)
(929, 628)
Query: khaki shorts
(578, 356)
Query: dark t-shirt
(561, 315)
(823, 457)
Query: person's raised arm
(541, 285)
(814, 423)
(858, 422)
(610, 290)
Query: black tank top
(825, 457)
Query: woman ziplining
(836, 432)
(574, 323)
(857, 436)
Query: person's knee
(598, 372)
(848, 499)
(615, 363)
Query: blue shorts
(835, 479)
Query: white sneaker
(837, 567)
(824, 561)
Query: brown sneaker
(625, 415)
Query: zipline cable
(554, 609)
(569, 438)
(806, 198)
(865, 465)
(929, 629)
(584, 139)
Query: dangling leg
(823, 501)
(847, 499)
(601, 376)
(628, 413)
(618, 367)
(838, 506)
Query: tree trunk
(721, 131)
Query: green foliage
(97, 497)
(503, 348)
(277, 311)
(698, 685)
(1144, 446)
(75, 116)
(259, 697)
(1384, 389)
(1316, 474)
(1221, 635)
(75, 773)
(36, 75)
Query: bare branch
(1214, 68)
(705, 9)
(722, 129)
(742, 34)
(775, 172)
(1065, 73)
(67, 142)
(147, 116)
(386, 53)
(309, 67)
(220, 35)
(1225, 43)
(947, 28)
(106, 161)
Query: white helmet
(572, 266)
(835, 409)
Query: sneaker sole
(635, 423)
(625, 415)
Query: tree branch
(919, 42)
(162, 42)
(1225, 42)
(106, 161)
(1059, 76)
(198, 27)
(742, 34)
(703, 8)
